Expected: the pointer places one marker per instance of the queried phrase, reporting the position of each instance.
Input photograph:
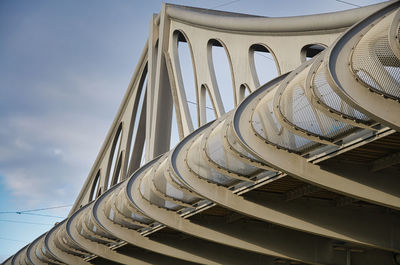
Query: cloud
(63, 74)
(46, 154)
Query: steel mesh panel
(237, 147)
(117, 219)
(297, 109)
(73, 246)
(117, 216)
(87, 219)
(222, 157)
(273, 133)
(60, 242)
(258, 126)
(165, 187)
(145, 189)
(264, 121)
(176, 180)
(196, 163)
(120, 204)
(324, 93)
(45, 256)
(374, 62)
(38, 254)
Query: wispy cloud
(50, 137)
(48, 156)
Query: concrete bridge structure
(304, 170)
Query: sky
(64, 68)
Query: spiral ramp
(269, 182)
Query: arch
(264, 67)
(99, 192)
(244, 91)
(310, 50)
(136, 137)
(95, 187)
(116, 175)
(112, 161)
(186, 78)
(174, 140)
(221, 76)
(156, 44)
(207, 105)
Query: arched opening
(174, 140)
(186, 69)
(221, 66)
(98, 192)
(309, 51)
(138, 125)
(95, 187)
(209, 109)
(244, 91)
(263, 64)
(114, 156)
(116, 174)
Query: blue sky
(64, 68)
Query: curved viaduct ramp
(302, 171)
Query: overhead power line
(37, 210)
(264, 56)
(225, 4)
(194, 103)
(44, 215)
(344, 2)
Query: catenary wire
(225, 4)
(344, 2)
(36, 210)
